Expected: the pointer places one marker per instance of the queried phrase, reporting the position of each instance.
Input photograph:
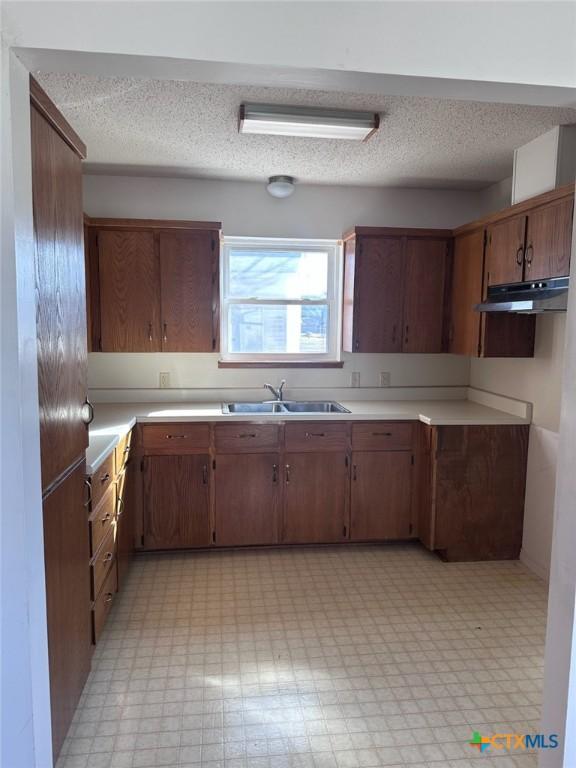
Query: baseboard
(537, 568)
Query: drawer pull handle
(315, 434)
(105, 519)
(176, 437)
(381, 434)
(105, 478)
(107, 557)
(109, 597)
(88, 485)
(247, 434)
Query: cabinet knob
(274, 473)
(287, 471)
(529, 255)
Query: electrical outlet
(384, 378)
(355, 379)
(164, 380)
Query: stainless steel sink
(319, 406)
(286, 407)
(252, 408)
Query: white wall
(25, 710)
(538, 380)
(419, 39)
(245, 208)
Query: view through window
(280, 299)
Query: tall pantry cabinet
(64, 409)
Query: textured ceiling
(187, 128)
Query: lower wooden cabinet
(476, 494)
(381, 495)
(66, 553)
(125, 522)
(316, 492)
(247, 499)
(176, 501)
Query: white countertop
(112, 421)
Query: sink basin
(286, 407)
(320, 406)
(252, 408)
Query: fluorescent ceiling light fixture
(278, 120)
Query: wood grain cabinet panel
(176, 501)
(505, 251)
(424, 295)
(60, 298)
(381, 495)
(467, 276)
(316, 497)
(175, 438)
(189, 290)
(373, 295)
(478, 487)
(549, 240)
(317, 436)
(129, 278)
(247, 494)
(66, 556)
(382, 436)
(246, 438)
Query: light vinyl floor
(315, 658)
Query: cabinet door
(125, 531)
(176, 502)
(479, 479)
(129, 291)
(189, 280)
(549, 240)
(316, 508)
(246, 499)
(378, 275)
(505, 251)
(60, 299)
(466, 293)
(66, 556)
(381, 495)
(424, 295)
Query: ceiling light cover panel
(278, 120)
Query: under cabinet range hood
(527, 298)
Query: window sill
(280, 364)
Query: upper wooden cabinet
(129, 296)
(394, 288)
(153, 285)
(482, 334)
(532, 240)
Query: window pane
(278, 274)
(277, 329)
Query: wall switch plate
(164, 380)
(384, 379)
(355, 379)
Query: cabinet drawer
(102, 604)
(246, 438)
(102, 518)
(101, 480)
(122, 452)
(383, 436)
(316, 436)
(103, 561)
(161, 439)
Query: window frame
(333, 300)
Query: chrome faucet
(278, 393)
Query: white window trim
(333, 300)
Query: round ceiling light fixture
(280, 186)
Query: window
(280, 299)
